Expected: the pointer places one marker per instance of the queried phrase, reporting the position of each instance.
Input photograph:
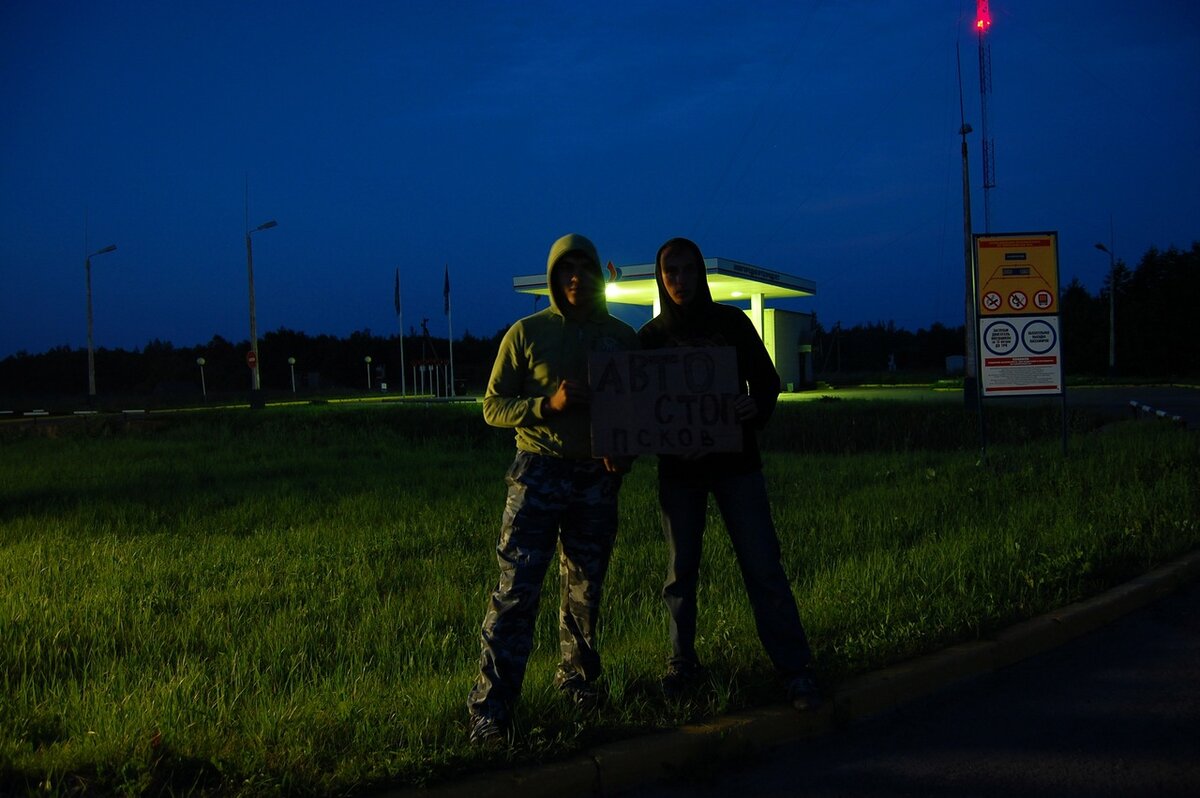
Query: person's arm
(761, 376)
(504, 405)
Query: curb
(628, 763)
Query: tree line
(1155, 304)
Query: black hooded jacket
(703, 322)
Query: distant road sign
(1021, 362)
(1019, 344)
(1017, 266)
(251, 359)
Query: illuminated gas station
(787, 334)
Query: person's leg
(587, 534)
(683, 506)
(742, 500)
(528, 535)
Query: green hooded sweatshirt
(540, 351)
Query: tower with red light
(983, 23)
(983, 16)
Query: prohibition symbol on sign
(991, 300)
(1017, 300)
(1043, 300)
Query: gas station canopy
(728, 281)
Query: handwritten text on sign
(664, 401)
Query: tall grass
(288, 601)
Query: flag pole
(450, 330)
(400, 323)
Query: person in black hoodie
(690, 317)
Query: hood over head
(697, 312)
(573, 242)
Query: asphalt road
(1171, 400)
(1113, 713)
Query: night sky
(817, 139)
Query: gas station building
(787, 334)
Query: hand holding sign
(618, 465)
(569, 394)
(744, 407)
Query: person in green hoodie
(558, 494)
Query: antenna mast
(983, 22)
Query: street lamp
(255, 384)
(292, 366)
(203, 389)
(971, 397)
(87, 267)
(367, 360)
(1112, 310)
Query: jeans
(551, 502)
(742, 501)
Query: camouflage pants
(551, 501)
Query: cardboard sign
(664, 401)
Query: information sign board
(1020, 356)
(1017, 300)
(1017, 274)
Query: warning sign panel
(1017, 273)
(1020, 356)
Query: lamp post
(87, 267)
(203, 389)
(292, 366)
(971, 325)
(367, 360)
(1112, 309)
(256, 385)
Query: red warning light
(983, 16)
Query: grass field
(288, 601)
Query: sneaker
(583, 694)
(803, 692)
(681, 679)
(488, 731)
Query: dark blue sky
(818, 139)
